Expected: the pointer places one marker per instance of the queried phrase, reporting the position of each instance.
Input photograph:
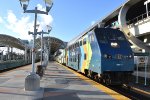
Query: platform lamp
(49, 28)
(32, 81)
(49, 46)
(146, 3)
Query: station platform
(141, 74)
(58, 83)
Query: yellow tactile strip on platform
(110, 92)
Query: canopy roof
(12, 42)
(51, 42)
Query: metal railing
(138, 18)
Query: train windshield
(105, 35)
(101, 36)
(116, 36)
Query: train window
(70, 47)
(71, 59)
(92, 37)
(76, 45)
(84, 56)
(81, 43)
(84, 41)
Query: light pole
(49, 47)
(146, 3)
(49, 29)
(32, 82)
(41, 33)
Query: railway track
(130, 92)
(127, 91)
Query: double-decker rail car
(104, 54)
(60, 56)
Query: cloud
(44, 19)
(18, 26)
(22, 25)
(11, 18)
(1, 20)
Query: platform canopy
(12, 42)
(51, 42)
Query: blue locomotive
(103, 54)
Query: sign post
(142, 59)
(137, 72)
(146, 61)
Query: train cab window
(102, 38)
(116, 36)
(120, 37)
(112, 36)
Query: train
(103, 54)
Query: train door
(78, 61)
(67, 61)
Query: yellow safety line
(110, 92)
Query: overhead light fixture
(24, 4)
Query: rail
(138, 18)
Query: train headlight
(114, 44)
(107, 56)
(130, 56)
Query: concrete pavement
(58, 83)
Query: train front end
(117, 61)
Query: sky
(68, 18)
